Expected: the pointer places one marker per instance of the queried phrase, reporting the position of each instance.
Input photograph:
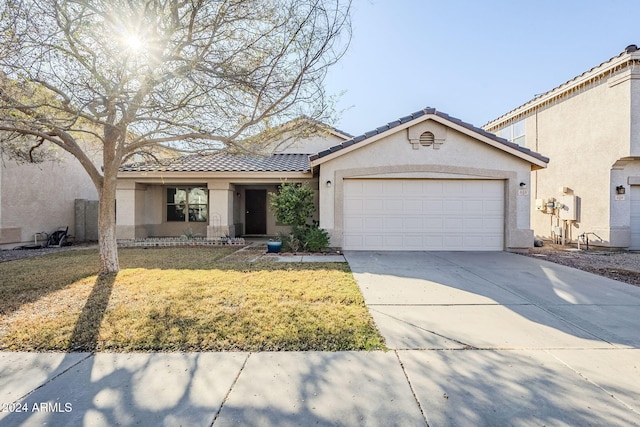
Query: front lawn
(180, 299)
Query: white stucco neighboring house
(590, 127)
(40, 197)
(427, 181)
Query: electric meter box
(569, 208)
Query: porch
(211, 209)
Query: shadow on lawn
(85, 334)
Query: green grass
(181, 299)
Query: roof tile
(224, 162)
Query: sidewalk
(204, 389)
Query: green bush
(309, 238)
(293, 204)
(316, 239)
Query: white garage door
(635, 217)
(423, 214)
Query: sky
(474, 60)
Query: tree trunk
(107, 243)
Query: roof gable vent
(427, 139)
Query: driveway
(499, 338)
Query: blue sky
(474, 60)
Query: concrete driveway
(503, 339)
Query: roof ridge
(415, 115)
(627, 51)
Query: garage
(423, 214)
(427, 181)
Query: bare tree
(132, 75)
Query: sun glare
(133, 42)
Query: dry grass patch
(181, 299)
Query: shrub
(316, 239)
(293, 204)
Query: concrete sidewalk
(476, 339)
(203, 389)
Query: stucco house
(590, 127)
(41, 197)
(427, 181)
(214, 195)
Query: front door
(255, 217)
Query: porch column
(130, 210)
(221, 199)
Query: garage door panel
(427, 214)
(473, 223)
(356, 224)
(433, 224)
(374, 223)
(413, 224)
(374, 240)
(372, 188)
(453, 224)
(354, 206)
(413, 206)
(373, 205)
(412, 187)
(433, 206)
(392, 205)
(393, 223)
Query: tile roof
(224, 162)
(416, 115)
(630, 51)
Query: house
(43, 197)
(427, 181)
(214, 195)
(590, 127)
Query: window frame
(187, 205)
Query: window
(187, 204)
(515, 132)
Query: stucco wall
(40, 197)
(584, 136)
(141, 208)
(459, 156)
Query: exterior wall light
(523, 185)
(329, 183)
(620, 189)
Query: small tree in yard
(293, 205)
(131, 76)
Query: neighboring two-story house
(590, 129)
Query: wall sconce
(238, 194)
(620, 189)
(523, 185)
(329, 183)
